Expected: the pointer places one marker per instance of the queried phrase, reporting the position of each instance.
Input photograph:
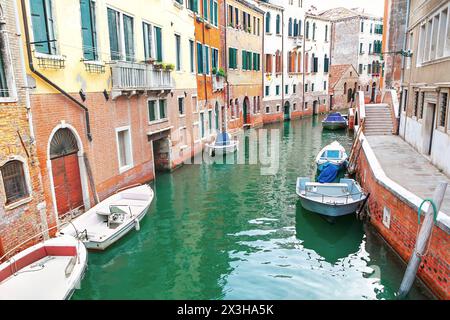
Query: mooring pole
(422, 241)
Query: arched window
(299, 27)
(326, 33)
(345, 88)
(14, 182)
(290, 27)
(314, 31)
(295, 28)
(268, 22)
(232, 108)
(278, 24)
(307, 30)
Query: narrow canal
(228, 232)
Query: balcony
(298, 41)
(131, 78)
(218, 83)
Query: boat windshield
(335, 117)
(331, 154)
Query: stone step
(377, 131)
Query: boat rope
(418, 226)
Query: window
(405, 99)
(195, 103)
(267, 91)
(306, 105)
(416, 103)
(312, 87)
(157, 110)
(232, 58)
(294, 106)
(206, 59)
(422, 105)
(43, 26)
(158, 48)
(278, 23)
(124, 148)
(362, 26)
(121, 35)
(4, 91)
(371, 28)
(192, 5)
(215, 59)
(326, 64)
(286, 89)
(277, 90)
(14, 181)
(278, 108)
(326, 33)
(315, 64)
(202, 124)
(360, 68)
(290, 28)
(306, 87)
(191, 56)
(268, 63)
(230, 16)
(369, 68)
(214, 12)
(294, 88)
(267, 109)
(268, 22)
(443, 109)
(148, 40)
(295, 33)
(178, 52)
(181, 105)
(205, 9)
(210, 122)
(370, 48)
(199, 58)
(307, 30)
(314, 31)
(324, 85)
(256, 62)
(88, 28)
(360, 48)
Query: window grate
(52, 62)
(14, 181)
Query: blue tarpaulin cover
(335, 117)
(222, 139)
(329, 173)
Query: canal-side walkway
(410, 169)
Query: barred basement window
(14, 181)
(416, 103)
(443, 109)
(422, 105)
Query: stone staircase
(378, 120)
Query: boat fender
(137, 225)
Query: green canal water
(228, 232)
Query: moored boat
(330, 199)
(111, 219)
(222, 144)
(333, 154)
(335, 121)
(49, 270)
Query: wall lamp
(82, 95)
(105, 93)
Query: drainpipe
(263, 63)
(282, 61)
(402, 74)
(204, 74)
(44, 78)
(227, 94)
(24, 75)
(304, 69)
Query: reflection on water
(227, 232)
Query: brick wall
(401, 234)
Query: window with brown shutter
(14, 181)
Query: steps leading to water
(378, 120)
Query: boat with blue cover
(223, 144)
(335, 121)
(330, 160)
(330, 199)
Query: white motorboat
(334, 154)
(49, 270)
(222, 144)
(111, 219)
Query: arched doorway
(245, 111)
(66, 172)
(349, 95)
(287, 111)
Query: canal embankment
(399, 179)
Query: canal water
(227, 232)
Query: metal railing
(140, 76)
(346, 196)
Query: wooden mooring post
(422, 241)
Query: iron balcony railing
(129, 76)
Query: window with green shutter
(193, 5)
(191, 55)
(158, 44)
(216, 13)
(113, 23)
(4, 92)
(205, 9)
(162, 109)
(43, 26)
(199, 58)
(206, 57)
(151, 110)
(214, 58)
(87, 8)
(232, 63)
(128, 31)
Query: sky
(372, 6)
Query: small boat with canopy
(330, 199)
(335, 121)
(49, 270)
(111, 219)
(223, 144)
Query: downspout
(44, 78)
(227, 95)
(303, 67)
(204, 74)
(24, 75)
(263, 64)
(282, 61)
(402, 74)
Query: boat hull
(222, 150)
(103, 245)
(334, 125)
(328, 209)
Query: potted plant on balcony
(150, 60)
(158, 65)
(169, 67)
(214, 70)
(220, 73)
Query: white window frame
(28, 184)
(123, 168)
(121, 34)
(194, 56)
(176, 34)
(181, 115)
(195, 108)
(9, 69)
(157, 113)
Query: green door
(287, 108)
